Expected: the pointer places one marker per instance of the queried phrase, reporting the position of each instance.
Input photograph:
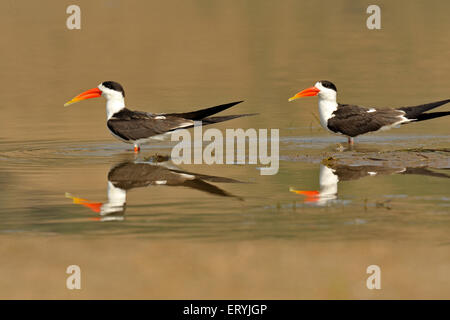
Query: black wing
(354, 120)
(134, 125)
(129, 175)
(203, 113)
(346, 172)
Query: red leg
(350, 141)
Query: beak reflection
(331, 174)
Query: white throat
(328, 181)
(327, 104)
(115, 100)
(113, 106)
(326, 109)
(116, 200)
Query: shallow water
(55, 162)
(238, 205)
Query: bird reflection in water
(128, 175)
(332, 173)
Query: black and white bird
(136, 127)
(331, 174)
(352, 120)
(129, 175)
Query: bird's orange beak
(94, 206)
(91, 93)
(313, 91)
(311, 196)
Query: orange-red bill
(313, 91)
(94, 206)
(91, 93)
(311, 196)
(312, 193)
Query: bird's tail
(201, 185)
(432, 115)
(211, 120)
(417, 112)
(208, 178)
(203, 113)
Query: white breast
(116, 200)
(113, 106)
(328, 181)
(326, 109)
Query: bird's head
(324, 89)
(112, 91)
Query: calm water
(56, 163)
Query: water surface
(229, 232)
